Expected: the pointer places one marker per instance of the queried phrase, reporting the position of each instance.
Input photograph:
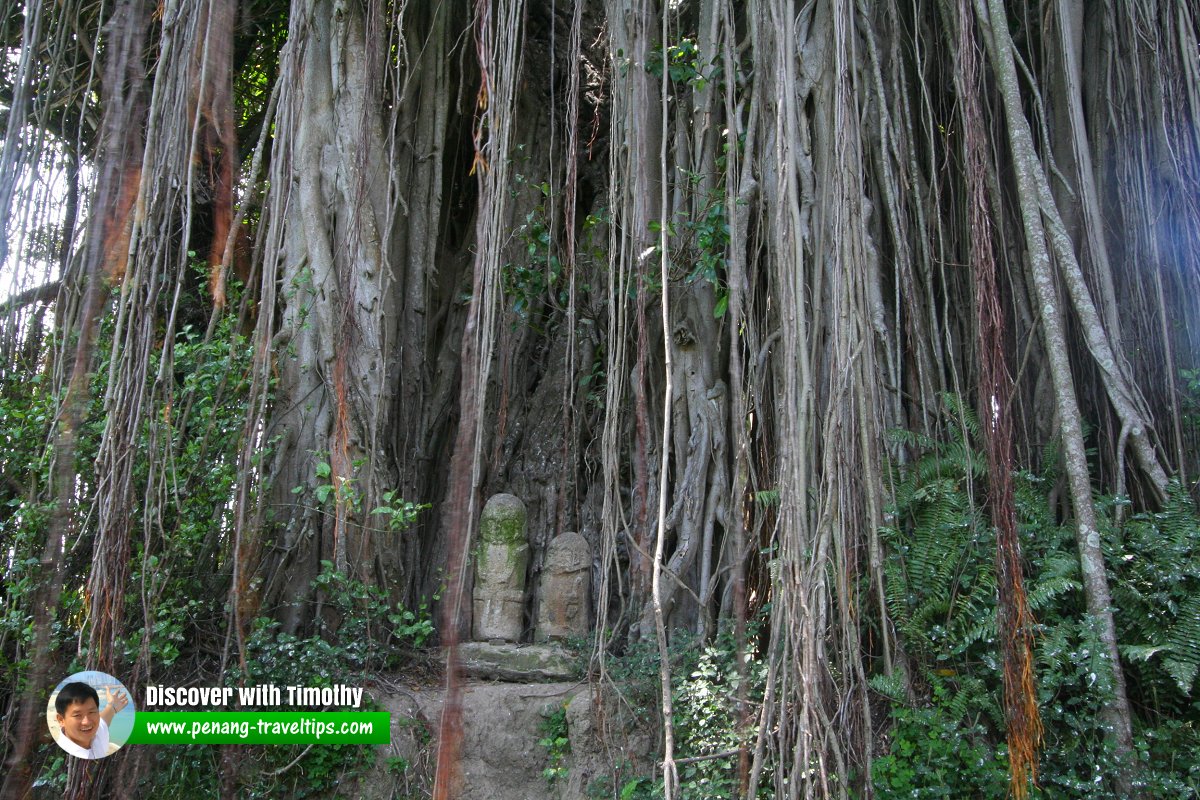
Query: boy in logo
(84, 725)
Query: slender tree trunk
(1087, 535)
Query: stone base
(518, 663)
(498, 614)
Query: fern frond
(961, 414)
(895, 591)
(1048, 589)
(1141, 652)
(890, 686)
(971, 691)
(767, 498)
(1054, 650)
(1048, 468)
(1184, 640)
(986, 630)
(913, 439)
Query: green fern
(767, 498)
(1184, 643)
(1155, 558)
(941, 595)
(1058, 575)
(961, 700)
(962, 414)
(890, 686)
(1141, 652)
(940, 584)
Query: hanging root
(1014, 620)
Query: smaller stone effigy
(566, 581)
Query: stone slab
(517, 663)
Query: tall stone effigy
(500, 565)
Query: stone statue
(566, 581)
(500, 565)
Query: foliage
(939, 580)
(198, 427)
(939, 750)
(26, 411)
(367, 622)
(529, 280)
(941, 596)
(183, 570)
(854, 306)
(200, 422)
(54, 774)
(635, 671)
(708, 726)
(684, 64)
(1155, 561)
(593, 385)
(711, 238)
(556, 742)
(280, 658)
(398, 514)
(702, 242)
(368, 636)
(635, 788)
(1191, 397)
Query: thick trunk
(333, 415)
(635, 199)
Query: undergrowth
(183, 574)
(712, 726)
(946, 734)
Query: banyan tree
(698, 279)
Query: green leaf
(721, 307)
(1184, 673)
(1141, 652)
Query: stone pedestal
(566, 582)
(500, 565)
(517, 663)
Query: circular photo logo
(90, 714)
